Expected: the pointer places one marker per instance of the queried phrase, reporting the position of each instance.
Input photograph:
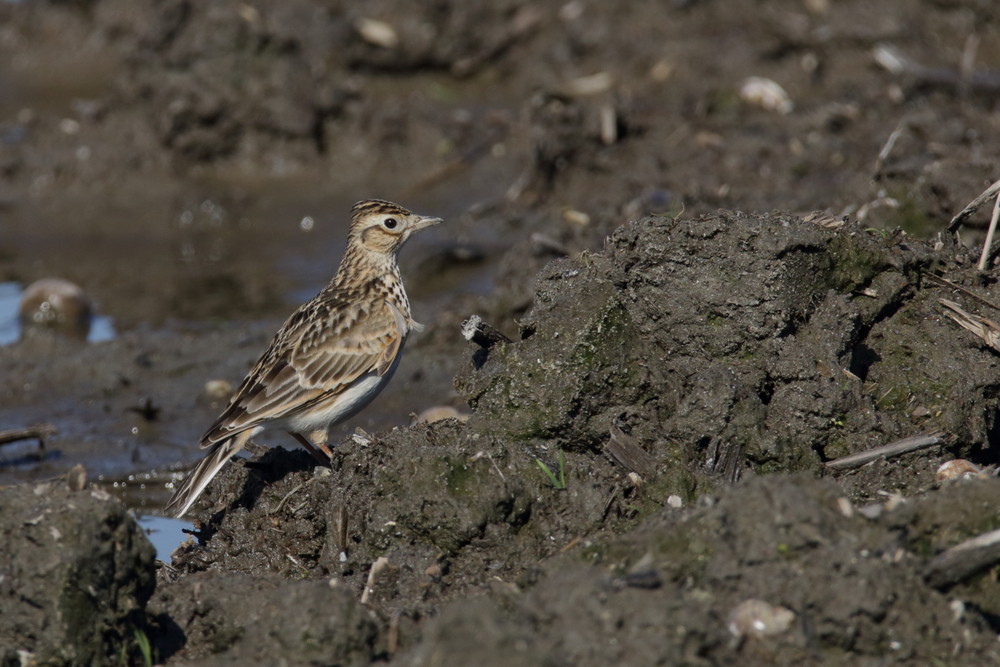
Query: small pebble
(845, 507)
(217, 389)
(377, 33)
(661, 70)
(593, 84)
(576, 217)
(648, 579)
(675, 502)
(894, 501)
(872, 511)
(759, 619)
(957, 609)
(766, 94)
(69, 126)
(76, 478)
(571, 11)
(360, 438)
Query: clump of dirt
(263, 619)
(736, 341)
(75, 577)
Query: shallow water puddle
(10, 296)
(165, 533)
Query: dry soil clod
(481, 333)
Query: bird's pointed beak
(425, 222)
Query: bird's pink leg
(319, 450)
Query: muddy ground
(644, 477)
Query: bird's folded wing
(311, 359)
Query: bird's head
(381, 227)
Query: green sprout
(143, 642)
(557, 482)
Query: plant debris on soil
(676, 431)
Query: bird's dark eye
(390, 223)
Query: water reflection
(10, 296)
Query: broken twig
(953, 565)
(893, 60)
(889, 144)
(625, 449)
(967, 292)
(341, 525)
(986, 330)
(973, 206)
(967, 66)
(277, 508)
(34, 432)
(380, 564)
(897, 448)
(988, 243)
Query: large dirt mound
(688, 353)
(736, 341)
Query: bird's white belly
(347, 404)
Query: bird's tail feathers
(196, 481)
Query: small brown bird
(330, 358)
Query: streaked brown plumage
(330, 358)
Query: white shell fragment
(766, 94)
(889, 58)
(217, 389)
(576, 217)
(845, 507)
(592, 84)
(758, 619)
(957, 469)
(378, 33)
